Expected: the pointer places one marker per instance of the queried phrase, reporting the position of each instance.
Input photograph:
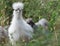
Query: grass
(42, 39)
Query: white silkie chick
(43, 22)
(19, 29)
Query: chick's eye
(16, 10)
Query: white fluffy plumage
(43, 22)
(19, 29)
(19, 5)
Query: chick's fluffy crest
(18, 5)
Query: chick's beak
(18, 11)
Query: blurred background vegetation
(36, 9)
